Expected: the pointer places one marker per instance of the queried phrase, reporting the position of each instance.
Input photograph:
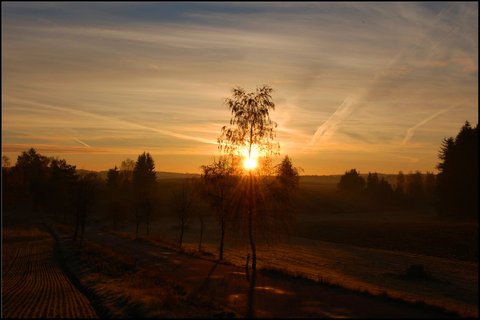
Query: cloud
(347, 76)
(81, 142)
(411, 131)
(328, 128)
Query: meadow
(345, 244)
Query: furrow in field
(35, 287)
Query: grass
(128, 289)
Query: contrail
(329, 126)
(118, 121)
(411, 131)
(81, 142)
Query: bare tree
(250, 131)
(183, 201)
(85, 196)
(219, 181)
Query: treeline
(413, 190)
(131, 194)
(452, 192)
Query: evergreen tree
(457, 180)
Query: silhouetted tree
(400, 187)
(117, 202)
(414, 188)
(183, 204)
(143, 182)
(32, 170)
(287, 175)
(250, 128)
(219, 181)
(351, 182)
(63, 178)
(279, 200)
(384, 192)
(84, 200)
(113, 177)
(372, 185)
(457, 180)
(5, 161)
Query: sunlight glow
(250, 164)
(250, 160)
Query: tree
(5, 161)
(219, 181)
(113, 178)
(183, 204)
(116, 210)
(414, 187)
(143, 182)
(457, 180)
(84, 200)
(62, 180)
(372, 185)
(32, 169)
(250, 129)
(280, 205)
(351, 182)
(400, 187)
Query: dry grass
(128, 288)
(374, 267)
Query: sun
(249, 164)
(250, 158)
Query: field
(363, 251)
(355, 263)
(33, 284)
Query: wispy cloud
(411, 131)
(81, 142)
(348, 77)
(328, 128)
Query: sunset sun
(250, 158)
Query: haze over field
(375, 86)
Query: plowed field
(33, 285)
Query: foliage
(219, 180)
(351, 181)
(457, 182)
(144, 172)
(144, 179)
(250, 124)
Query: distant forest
(52, 185)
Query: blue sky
(372, 86)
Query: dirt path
(33, 285)
(274, 295)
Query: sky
(371, 86)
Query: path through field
(33, 284)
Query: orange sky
(372, 86)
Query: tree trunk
(182, 227)
(250, 226)
(77, 225)
(137, 222)
(222, 237)
(82, 226)
(148, 226)
(201, 235)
